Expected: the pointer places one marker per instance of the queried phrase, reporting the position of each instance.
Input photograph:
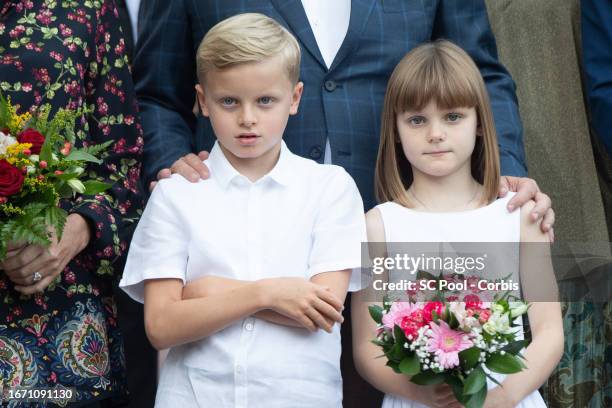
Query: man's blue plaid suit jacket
(342, 103)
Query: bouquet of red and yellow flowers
(39, 165)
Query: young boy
(240, 271)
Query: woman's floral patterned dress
(70, 53)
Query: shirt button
(238, 369)
(330, 85)
(249, 326)
(315, 152)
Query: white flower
(6, 141)
(497, 308)
(517, 309)
(497, 323)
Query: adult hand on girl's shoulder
(498, 398)
(527, 190)
(189, 166)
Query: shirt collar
(225, 173)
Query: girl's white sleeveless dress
(492, 223)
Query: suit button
(330, 85)
(315, 152)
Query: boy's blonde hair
(244, 38)
(443, 73)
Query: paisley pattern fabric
(70, 53)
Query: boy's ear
(296, 97)
(201, 100)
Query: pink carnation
(396, 314)
(412, 323)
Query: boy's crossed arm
(172, 319)
(295, 302)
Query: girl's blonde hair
(445, 74)
(246, 38)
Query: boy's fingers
(319, 320)
(326, 310)
(330, 298)
(307, 323)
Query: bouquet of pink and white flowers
(451, 342)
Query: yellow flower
(16, 122)
(17, 148)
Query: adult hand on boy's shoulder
(189, 166)
(526, 190)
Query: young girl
(437, 175)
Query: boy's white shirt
(299, 220)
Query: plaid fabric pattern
(343, 103)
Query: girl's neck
(452, 193)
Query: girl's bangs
(435, 80)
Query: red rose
(34, 137)
(11, 179)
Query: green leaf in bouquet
(427, 378)
(396, 353)
(5, 115)
(435, 316)
(515, 347)
(477, 399)
(504, 363)
(456, 385)
(76, 185)
(452, 320)
(98, 148)
(93, 187)
(376, 312)
(490, 377)
(63, 189)
(56, 217)
(399, 335)
(81, 155)
(475, 381)
(410, 365)
(379, 343)
(46, 153)
(469, 357)
(421, 274)
(394, 365)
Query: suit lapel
(360, 12)
(295, 16)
